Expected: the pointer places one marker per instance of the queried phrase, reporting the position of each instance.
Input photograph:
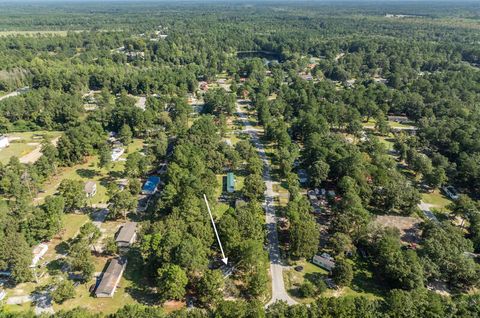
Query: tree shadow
(55, 266)
(116, 174)
(141, 289)
(87, 173)
(62, 248)
(363, 282)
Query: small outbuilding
(230, 182)
(38, 252)
(111, 277)
(151, 185)
(127, 235)
(4, 142)
(90, 188)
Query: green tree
(172, 281)
(210, 287)
(254, 187)
(125, 134)
(307, 289)
(122, 202)
(63, 291)
(304, 232)
(342, 272)
(73, 194)
(104, 156)
(319, 172)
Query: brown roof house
(111, 277)
(127, 235)
(90, 188)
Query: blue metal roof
(151, 184)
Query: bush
(64, 291)
(307, 289)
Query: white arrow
(224, 259)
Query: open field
(90, 171)
(362, 284)
(408, 226)
(23, 143)
(294, 279)
(437, 199)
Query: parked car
(451, 192)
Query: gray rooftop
(111, 276)
(127, 232)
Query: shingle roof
(89, 186)
(111, 276)
(127, 232)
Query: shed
(151, 185)
(38, 252)
(230, 182)
(116, 153)
(90, 188)
(127, 235)
(111, 277)
(324, 262)
(4, 142)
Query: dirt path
(35, 154)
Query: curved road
(276, 267)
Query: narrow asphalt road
(425, 207)
(276, 267)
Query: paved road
(276, 267)
(15, 93)
(12, 94)
(425, 207)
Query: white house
(117, 153)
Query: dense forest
(349, 113)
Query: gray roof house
(127, 235)
(324, 262)
(110, 278)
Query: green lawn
(16, 149)
(22, 143)
(90, 171)
(294, 279)
(98, 305)
(363, 283)
(393, 124)
(437, 199)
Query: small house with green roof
(230, 182)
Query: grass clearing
(437, 199)
(103, 305)
(89, 170)
(293, 279)
(15, 149)
(22, 143)
(363, 283)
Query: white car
(451, 192)
(3, 294)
